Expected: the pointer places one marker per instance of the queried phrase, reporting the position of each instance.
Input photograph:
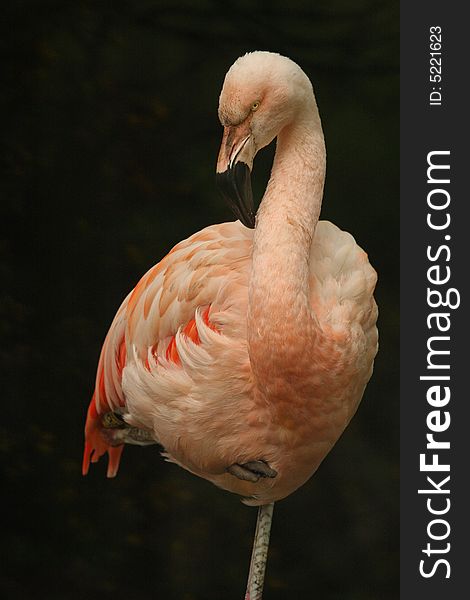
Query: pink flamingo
(246, 350)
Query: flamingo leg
(254, 589)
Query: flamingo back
(207, 271)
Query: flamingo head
(263, 93)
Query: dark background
(109, 141)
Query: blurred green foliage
(109, 140)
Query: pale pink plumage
(247, 344)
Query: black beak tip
(235, 186)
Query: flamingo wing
(200, 285)
(342, 283)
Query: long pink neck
(281, 322)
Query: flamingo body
(176, 362)
(245, 352)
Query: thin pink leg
(254, 589)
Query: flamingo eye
(255, 106)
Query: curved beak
(234, 169)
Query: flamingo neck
(281, 322)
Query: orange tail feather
(96, 444)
